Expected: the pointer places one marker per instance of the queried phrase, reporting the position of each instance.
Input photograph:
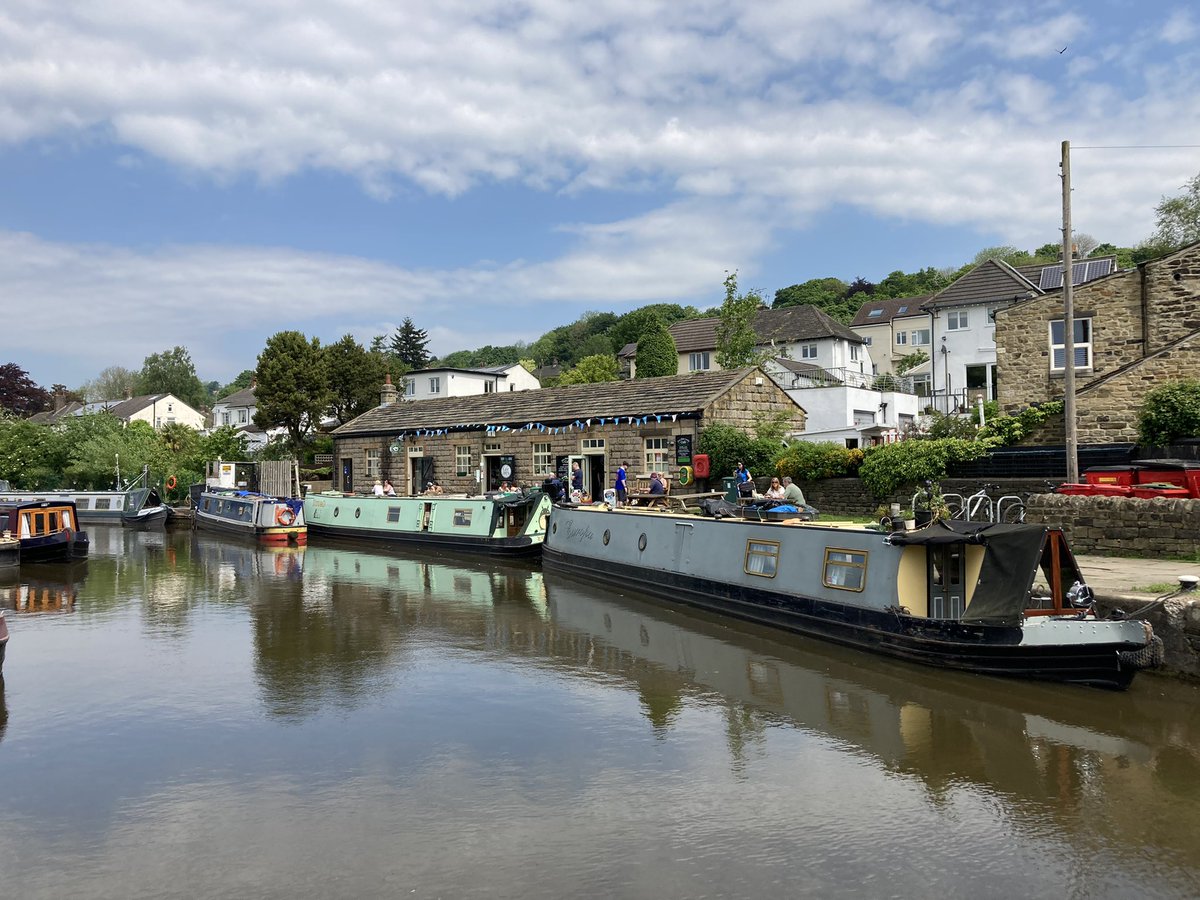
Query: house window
(845, 570)
(657, 453)
(922, 385)
(242, 417)
(462, 460)
(224, 418)
(920, 337)
(956, 320)
(991, 315)
(410, 387)
(1083, 345)
(762, 558)
(489, 387)
(854, 352)
(901, 337)
(435, 385)
(808, 351)
(902, 310)
(698, 362)
(542, 462)
(373, 458)
(867, 341)
(170, 407)
(875, 313)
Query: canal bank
(1133, 586)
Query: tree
(293, 385)
(911, 361)
(592, 370)
(656, 354)
(30, 454)
(1178, 218)
(19, 394)
(355, 377)
(629, 328)
(903, 284)
(172, 372)
(409, 343)
(244, 380)
(1170, 411)
(113, 383)
(736, 338)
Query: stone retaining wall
(1177, 622)
(1124, 526)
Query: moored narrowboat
(10, 551)
(501, 524)
(110, 507)
(260, 516)
(48, 530)
(989, 598)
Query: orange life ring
(284, 516)
(171, 482)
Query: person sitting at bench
(658, 489)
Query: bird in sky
(1062, 51)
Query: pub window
(762, 558)
(462, 517)
(845, 570)
(462, 460)
(373, 469)
(543, 464)
(592, 443)
(491, 447)
(657, 452)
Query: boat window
(39, 523)
(83, 503)
(845, 570)
(462, 517)
(103, 503)
(762, 558)
(393, 514)
(335, 511)
(66, 518)
(52, 522)
(357, 511)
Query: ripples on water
(188, 716)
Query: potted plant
(929, 504)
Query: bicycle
(981, 507)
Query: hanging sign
(683, 450)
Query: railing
(842, 377)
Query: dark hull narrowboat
(511, 525)
(258, 516)
(991, 599)
(10, 552)
(48, 530)
(147, 517)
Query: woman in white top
(775, 491)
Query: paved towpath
(1116, 577)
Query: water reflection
(44, 587)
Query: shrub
(809, 460)
(1169, 412)
(726, 445)
(889, 467)
(1004, 431)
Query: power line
(1136, 147)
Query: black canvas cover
(1010, 564)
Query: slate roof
(675, 394)
(133, 405)
(889, 308)
(244, 397)
(786, 325)
(492, 371)
(792, 365)
(990, 281)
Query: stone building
(1134, 330)
(652, 424)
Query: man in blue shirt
(620, 485)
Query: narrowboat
(994, 599)
(48, 530)
(10, 551)
(260, 516)
(499, 524)
(111, 507)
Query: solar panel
(1087, 270)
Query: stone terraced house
(653, 424)
(1134, 330)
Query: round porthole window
(545, 520)
(642, 542)
(554, 528)
(606, 537)
(336, 510)
(357, 511)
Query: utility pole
(1068, 322)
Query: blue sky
(209, 173)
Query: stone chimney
(389, 394)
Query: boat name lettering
(578, 532)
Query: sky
(207, 173)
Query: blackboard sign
(683, 450)
(562, 467)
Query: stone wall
(1172, 298)
(1124, 526)
(849, 497)
(753, 399)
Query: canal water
(187, 716)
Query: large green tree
(630, 327)
(656, 354)
(1178, 218)
(172, 372)
(30, 454)
(293, 385)
(911, 284)
(355, 377)
(113, 383)
(409, 343)
(19, 394)
(736, 338)
(244, 380)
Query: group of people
(785, 490)
(383, 488)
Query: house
(426, 384)
(1133, 330)
(156, 410)
(237, 411)
(802, 333)
(466, 443)
(962, 341)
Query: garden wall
(1124, 526)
